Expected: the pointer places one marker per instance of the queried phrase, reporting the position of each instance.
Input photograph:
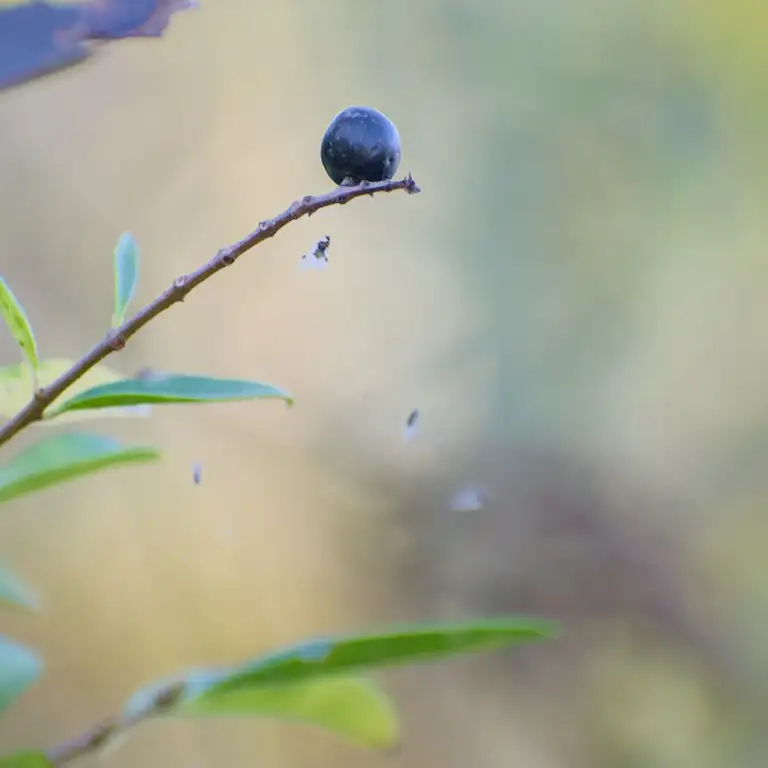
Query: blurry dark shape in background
(117, 19)
(37, 39)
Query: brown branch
(116, 339)
(99, 737)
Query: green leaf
(18, 323)
(26, 759)
(16, 383)
(308, 682)
(352, 707)
(126, 276)
(407, 645)
(19, 668)
(170, 388)
(65, 457)
(15, 592)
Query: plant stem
(115, 341)
(97, 738)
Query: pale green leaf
(410, 644)
(61, 458)
(310, 681)
(14, 592)
(18, 323)
(170, 388)
(126, 276)
(16, 384)
(352, 707)
(19, 668)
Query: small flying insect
(412, 424)
(317, 258)
(197, 473)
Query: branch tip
(411, 187)
(34, 410)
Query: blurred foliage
(574, 305)
(307, 682)
(40, 38)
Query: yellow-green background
(577, 303)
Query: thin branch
(98, 738)
(33, 411)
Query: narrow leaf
(170, 388)
(408, 645)
(16, 384)
(15, 592)
(65, 457)
(352, 707)
(18, 324)
(26, 759)
(126, 276)
(19, 668)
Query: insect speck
(469, 499)
(317, 257)
(411, 423)
(197, 473)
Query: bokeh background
(576, 303)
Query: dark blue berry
(361, 144)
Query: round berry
(361, 144)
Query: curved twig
(116, 339)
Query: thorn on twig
(364, 184)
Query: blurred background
(574, 303)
